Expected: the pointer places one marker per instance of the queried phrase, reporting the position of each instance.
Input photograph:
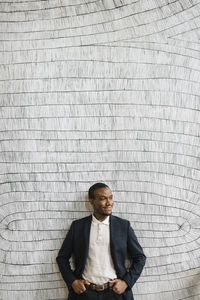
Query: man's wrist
(127, 283)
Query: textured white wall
(99, 91)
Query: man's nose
(109, 201)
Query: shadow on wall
(194, 287)
(63, 285)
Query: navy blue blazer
(122, 242)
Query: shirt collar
(105, 222)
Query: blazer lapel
(87, 228)
(112, 239)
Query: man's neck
(100, 218)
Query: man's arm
(137, 256)
(63, 257)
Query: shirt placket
(100, 233)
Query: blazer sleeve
(138, 258)
(64, 256)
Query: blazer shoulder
(82, 221)
(120, 220)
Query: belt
(99, 287)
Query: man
(99, 244)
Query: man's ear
(91, 201)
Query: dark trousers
(107, 294)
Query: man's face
(103, 202)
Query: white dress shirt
(99, 267)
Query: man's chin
(107, 213)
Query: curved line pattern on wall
(100, 90)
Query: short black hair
(94, 187)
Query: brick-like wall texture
(99, 90)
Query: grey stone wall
(99, 91)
